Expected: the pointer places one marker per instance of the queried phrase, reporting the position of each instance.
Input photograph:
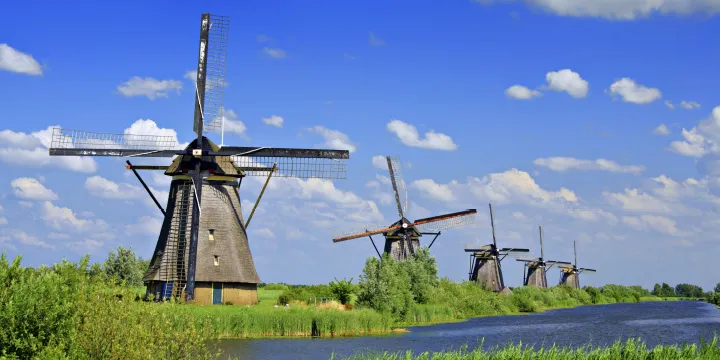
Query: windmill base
(487, 273)
(218, 293)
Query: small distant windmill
(202, 252)
(535, 270)
(570, 275)
(402, 237)
(485, 261)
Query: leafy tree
(125, 266)
(717, 288)
(385, 287)
(688, 290)
(667, 290)
(342, 289)
(423, 273)
(657, 290)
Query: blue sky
(550, 109)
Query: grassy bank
(631, 349)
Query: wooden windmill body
(402, 237)
(535, 270)
(570, 275)
(202, 252)
(485, 261)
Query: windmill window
(211, 234)
(217, 260)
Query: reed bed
(254, 322)
(633, 349)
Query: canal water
(654, 322)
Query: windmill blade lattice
(216, 65)
(397, 175)
(300, 167)
(65, 139)
(447, 221)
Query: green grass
(631, 349)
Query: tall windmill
(570, 275)
(403, 236)
(537, 268)
(202, 252)
(485, 261)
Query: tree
(342, 289)
(385, 287)
(667, 290)
(657, 290)
(717, 288)
(125, 266)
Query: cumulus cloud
(334, 139)
(276, 121)
(149, 87)
(568, 163)
(64, 218)
(31, 150)
(669, 105)
(433, 190)
(661, 129)
(408, 135)
(379, 162)
(26, 239)
(232, 125)
(653, 222)
(702, 139)
(640, 201)
(632, 92)
(30, 188)
(568, 81)
(521, 92)
(146, 225)
(19, 62)
(275, 53)
(104, 188)
(625, 10)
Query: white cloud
(149, 87)
(276, 121)
(568, 81)
(567, 163)
(631, 92)
(3, 221)
(518, 215)
(146, 225)
(516, 186)
(635, 200)
(592, 215)
(669, 105)
(26, 204)
(661, 129)
(30, 188)
(232, 124)
(58, 236)
(334, 139)
(149, 127)
(264, 233)
(104, 188)
(31, 150)
(658, 223)
(521, 92)
(62, 217)
(275, 53)
(26, 239)
(702, 139)
(433, 190)
(374, 40)
(408, 135)
(16, 61)
(625, 10)
(689, 105)
(380, 162)
(86, 245)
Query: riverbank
(631, 349)
(459, 302)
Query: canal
(654, 322)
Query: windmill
(537, 268)
(403, 236)
(485, 261)
(202, 252)
(570, 275)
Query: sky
(595, 119)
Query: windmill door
(217, 293)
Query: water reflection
(655, 323)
